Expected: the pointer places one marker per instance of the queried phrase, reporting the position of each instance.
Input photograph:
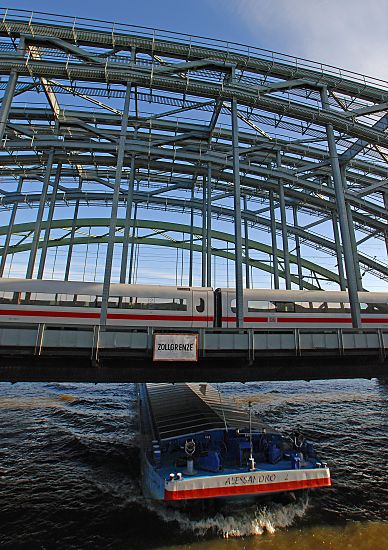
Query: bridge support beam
(191, 250)
(39, 217)
(9, 93)
(209, 226)
(133, 242)
(115, 203)
(237, 218)
(337, 242)
(274, 241)
(343, 219)
(9, 230)
(283, 215)
(50, 216)
(127, 224)
(297, 248)
(203, 269)
(72, 236)
(246, 246)
(351, 232)
(385, 198)
(341, 274)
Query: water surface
(69, 472)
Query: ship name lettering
(240, 480)
(266, 478)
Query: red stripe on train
(212, 492)
(91, 315)
(306, 320)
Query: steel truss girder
(301, 189)
(306, 236)
(158, 225)
(226, 92)
(185, 49)
(103, 119)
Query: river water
(69, 472)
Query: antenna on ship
(222, 408)
(251, 459)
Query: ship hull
(232, 456)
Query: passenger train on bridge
(78, 303)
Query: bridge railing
(79, 24)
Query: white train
(78, 303)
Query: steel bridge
(116, 138)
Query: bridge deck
(50, 352)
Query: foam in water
(238, 521)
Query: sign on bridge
(175, 347)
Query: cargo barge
(197, 444)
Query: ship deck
(164, 470)
(186, 409)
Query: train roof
(118, 289)
(93, 288)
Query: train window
(113, 301)
(65, 300)
(126, 302)
(374, 308)
(306, 306)
(311, 306)
(338, 307)
(84, 300)
(134, 302)
(175, 304)
(285, 307)
(200, 307)
(260, 305)
(42, 298)
(6, 297)
(23, 298)
(139, 302)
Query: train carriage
(264, 308)
(70, 303)
(79, 303)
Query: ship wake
(234, 520)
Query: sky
(350, 34)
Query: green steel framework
(235, 133)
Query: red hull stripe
(91, 315)
(306, 320)
(212, 492)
